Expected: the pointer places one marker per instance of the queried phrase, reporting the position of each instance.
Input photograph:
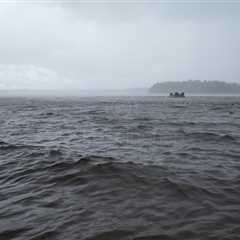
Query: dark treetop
(196, 87)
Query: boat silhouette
(177, 95)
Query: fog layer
(106, 45)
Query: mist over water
(77, 44)
(119, 168)
(143, 167)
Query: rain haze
(119, 120)
(116, 44)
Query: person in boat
(177, 94)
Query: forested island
(196, 87)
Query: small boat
(177, 95)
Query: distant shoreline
(79, 94)
(190, 88)
(197, 87)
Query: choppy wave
(119, 169)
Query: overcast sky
(117, 44)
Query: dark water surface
(120, 168)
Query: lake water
(125, 168)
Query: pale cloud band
(30, 77)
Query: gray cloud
(107, 45)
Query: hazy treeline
(196, 87)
